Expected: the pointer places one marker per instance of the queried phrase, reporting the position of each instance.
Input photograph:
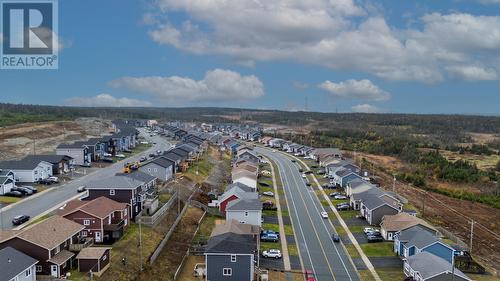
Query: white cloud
(217, 85)
(473, 73)
(106, 100)
(357, 89)
(365, 108)
(324, 32)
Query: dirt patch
(20, 140)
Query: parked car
(268, 205)
(151, 155)
(81, 188)
(32, 188)
(310, 276)
(267, 231)
(333, 194)
(335, 238)
(324, 215)
(367, 230)
(88, 165)
(269, 238)
(340, 197)
(360, 217)
(308, 183)
(342, 207)
(23, 190)
(107, 155)
(268, 193)
(53, 179)
(274, 150)
(272, 253)
(308, 172)
(45, 181)
(13, 194)
(120, 155)
(18, 220)
(143, 159)
(107, 159)
(375, 238)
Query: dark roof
(25, 164)
(180, 152)
(187, 147)
(184, 148)
(232, 243)
(13, 262)
(244, 205)
(78, 144)
(5, 172)
(172, 156)
(51, 158)
(115, 182)
(407, 234)
(242, 186)
(161, 161)
(429, 265)
(138, 175)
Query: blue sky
(370, 56)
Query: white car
(268, 193)
(369, 229)
(274, 150)
(53, 179)
(340, 197)
(304, 176)
(144, 142)
(272, 253)
(120, 155)
(324, 215)
(107, 154)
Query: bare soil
(20, 140)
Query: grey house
(161, 168)
(375, 208)
(230, 256)
(16, 266)
(177, 159)
(78, 151)
(428, 267)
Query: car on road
(293, 161)
(304, 175)
(310, 276)
(343, 207)
(269, 238)
(53, 179)
(340, 197)
(272, 253)
(13, 194)
(324, 215)
(18, 220)
(335, 237)
(375, 238)
(268, 193)
(45, 181)
(81, 188)
(120, 155)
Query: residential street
(58, 195)
(318, 252)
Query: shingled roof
(100, 207)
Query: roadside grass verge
(351, 250)
(9, 200)
(382, 249)
(390, 273)
(340, 230)
(292, 250)
(39, 219)
(348, 214)
(264, 246)
(271, 226)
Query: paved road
(318, 252)
(56, 196)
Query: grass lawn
(164, 197)
(284, 213)
(483, 277)
(199, 170)
(265, 188)
(366, 275)
(349, 214)
(9, 200)
(206, 226)
(269, 213)
(39, 219)
(391, 273)
(340, 230)
(324, 203)
(351, 250)
(383, 249)
(271, 226)
(292, 250)
(269, 245)
(356, 228)
(288, 230)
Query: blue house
(418, 239)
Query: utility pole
(140, 240)
(471, 235)
(394, 183)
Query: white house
(7, 181)
(28, 170)
(248, 211)
(17, 266)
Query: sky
(390, 56)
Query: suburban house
(231, 252)
(78, 151)
(7, 182)
(418, 239)
(236, 191)
(395, 223)
(245, 177)
(95, 259)
(133, 189)
(49, 241)
(97, 147)
(28, 170)
(174, 158)
(246, 166)
(249, 156)
(160, 167)
(16, 266)
(357, 186)
(265, 140)
(247, 211)
(374, 208)
(105, 220)
(344, 176)
(60, 163)
(428, 267)
(320, 154)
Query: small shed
(95, 259)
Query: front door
(98, 236)
(54, 270)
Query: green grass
(269, 245)
(271, 226)
(383, 249)
(366, 275)
(284, 213)
(164, 197)
(356, 228)
(351, 250)
(207, 225)
(199, 170)
(292, 250)
(288, 229)
(391, 274)
(324, 203)
(269, 213)
(340, 230)
(349, 214)
(9, 200)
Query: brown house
(95, 259)
(105, 220)
(49, 241)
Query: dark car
(308, 172)
(32, 188)
(23, 190)
(151, 155)
(374, 238)
(308, 183)
(18, 220)
(335, 238)
(293, 161)
(81, 189)
(342, 207)
(45, 181)
(301, 170)
(14, 194)
(143, 158)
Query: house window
(156, 170)
(246, 213)
(104, 257)
(149, 169)
(125, 212)
(111, 192)
(233, 258)
(227, 271)
(27, 273)
(38, 268)
(86, 222)
(84, 233)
